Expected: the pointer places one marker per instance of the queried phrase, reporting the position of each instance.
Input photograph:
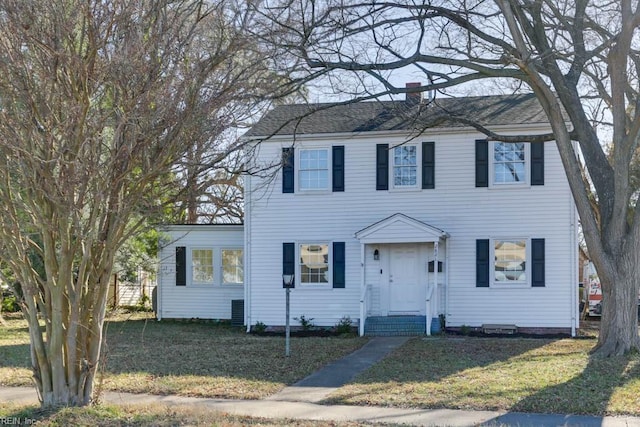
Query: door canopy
(400, 228)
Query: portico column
(434, 298)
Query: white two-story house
(394, 210)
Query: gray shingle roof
(303, 119)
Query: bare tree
(580, 58)
(99, 101)
(215, 196)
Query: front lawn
(457, 372)
(204, 359)
(512, 374)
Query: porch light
(287, 283)
(287, 280)
(376, 255)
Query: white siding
(455, 206)
(201, 301)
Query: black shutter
(431, 266)
(337, 157)
(288, 171)
(382, 167)
(537, 164)
(181, 266)
(482, 163)
(428, 165)
(482, 263)
(338, 265)
(289, 260)
(537, 262)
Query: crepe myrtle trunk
(65, 364)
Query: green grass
(527, 375)
(147, 416)
(203, 359)
(14, 351)
(213, 360)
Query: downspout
(247, 252)
(574, 269)
(446, 281)
(159, 278)
(159, 281)
(362, 294)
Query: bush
(306, 323)
(259, 328)
(344, 326)
(10, 304)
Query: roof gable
(399, 228)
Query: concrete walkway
(320, 384)
(299, 401)
(343, 413)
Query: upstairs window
(509, 163)
(314, 169)
(405, 166)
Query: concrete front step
(395, 326)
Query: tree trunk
(619, 322)
(66, 381)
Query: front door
(405, 290)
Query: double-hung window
(314, 263)
(508, 262)
(510, 258)
(509, 163)
(232, 267)
(314, 169)
(405, 166)
(202, 266)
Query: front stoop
(383, 326)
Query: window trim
(526, 283)
(230, 248)
(527, 168)
(191, 266)
(418, 167)
(299, 170)
(329, 282)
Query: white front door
(405, 290)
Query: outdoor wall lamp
(287, 280)
(376, 255)
(287, 283)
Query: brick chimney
(413, 97)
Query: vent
(237, 312)
(499, 329)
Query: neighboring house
(392, 210)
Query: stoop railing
(364, 309)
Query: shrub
(306, 323)
(259, 328)
(344, 326)
(10, 304)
